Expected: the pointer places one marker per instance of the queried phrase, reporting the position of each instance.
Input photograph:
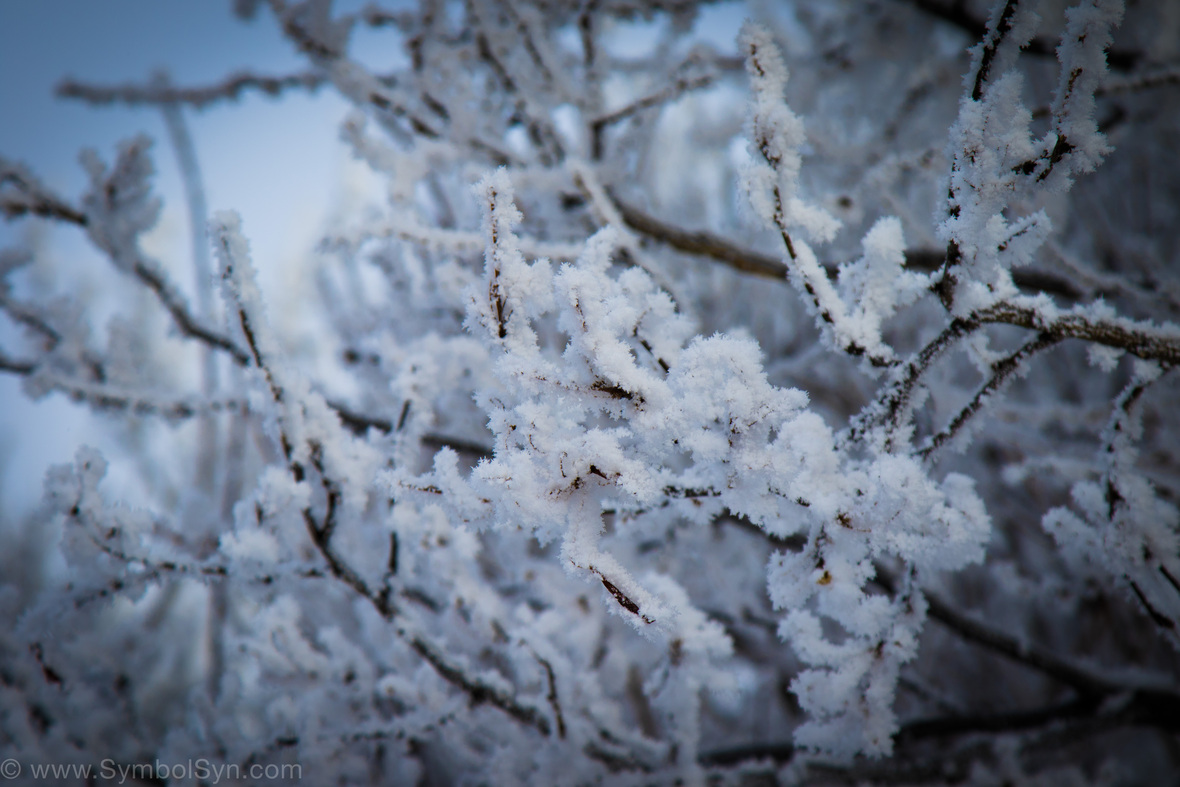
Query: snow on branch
(845, 316)
(1121, 525)
(519, 491)
(996, 160)
(553, 472)
(231, 88)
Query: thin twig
(955, 12)
(889, 407)
(229, 89)
(993, 38)
(1002, 371)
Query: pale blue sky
(275, 161)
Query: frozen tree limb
(956, 14)
(1146, 341)
(237, 272)
(526, 501)
(232, 88)
(1001, 372)
(706, 244)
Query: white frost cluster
(633, 414)
(777, 137)
(1120, 525)
(869, 290)
(997, 163)
(539, 496)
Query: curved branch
(33, 198)
(1143, 340)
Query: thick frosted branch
(1093, 324)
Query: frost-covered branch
(22, 194)
(1002, 371)
(703, 243)
(518, 491)
(109, 216)
(957, 14)
(232, 88)
(891, 408)
(850, 320)
(305, 446)
(171, 299)
(130, 402)
(982, 243)
(1093, 324)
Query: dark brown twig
(231, 88)
(956, 13)
(993, 38)
(1002, 371)
(702, 243)
(1150, 344)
